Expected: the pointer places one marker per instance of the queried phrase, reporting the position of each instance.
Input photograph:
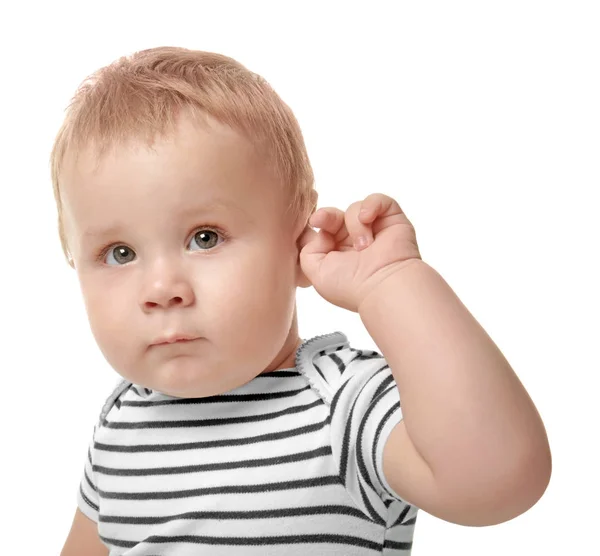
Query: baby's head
(183, 187)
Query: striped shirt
(290, 462)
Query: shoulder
(328, 361)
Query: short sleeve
(364, 408)
(87, 495)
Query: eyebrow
(199, 211)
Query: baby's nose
(167, 294)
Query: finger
(329, 219)
(374, 206)
(316, 243)
(306, 237)
(361, 234)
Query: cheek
(270, 286)
(257, 287)
(107, 314)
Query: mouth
(175, 339)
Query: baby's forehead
(213, 166)
(117, 187)
(207, 148)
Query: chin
(188, 377)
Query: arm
(83, 538)
(471, 448)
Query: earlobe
(301, 280)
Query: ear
(301, 280)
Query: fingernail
(361, 242)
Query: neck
(286, 358)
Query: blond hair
(140, 96)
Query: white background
(481, 118)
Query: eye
(205, 239)
(120, 254)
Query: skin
(187, 238)
(471, 448)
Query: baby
(186, 206)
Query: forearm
(464, 408)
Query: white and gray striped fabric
(289, 463)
